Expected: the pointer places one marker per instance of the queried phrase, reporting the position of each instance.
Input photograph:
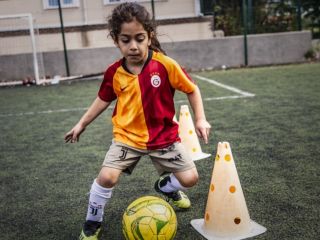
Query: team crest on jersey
(155, 80)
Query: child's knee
(106, 182)
(108, 178)
(190, 180)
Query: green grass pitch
(274, 137)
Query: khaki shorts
(166, 160)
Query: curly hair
(127, 12)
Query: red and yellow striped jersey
(144, 111)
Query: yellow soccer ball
(149, 218)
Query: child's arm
(97, 107)
(202, 127)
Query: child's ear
(115, 41)
(114, 38)
(150, 38)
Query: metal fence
(235, 17)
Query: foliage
(311, 9)
(311, 12)
(313, 53)
(227, 17)
(276, 17)
(264, 16)
(310, 54)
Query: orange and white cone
(226, 215)
(188, 135)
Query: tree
(264, 16)
(311, 10)
(227, 17)
(276, 16)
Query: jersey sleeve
(106, 91)
(178, 77)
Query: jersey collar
(123, 64)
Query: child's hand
(203, 129)
(74, 134)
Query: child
(143, 83)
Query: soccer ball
(149, 218)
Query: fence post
(249, 11)
(245, 30)
(299, 15)
(153, 11)
(63, 40)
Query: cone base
(256, 229)
(199, 156)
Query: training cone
(226, 215)
(188, 135)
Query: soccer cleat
(90, 231)
(178, 198)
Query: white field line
(230, 88)
(48, 112)
(243, 94)
(216, 98)
(43, 112)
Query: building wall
(47, 42)
(263, 49)
(282, 47)
(93, 11)
(85, 26)
(188, 39)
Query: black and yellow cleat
(178, 198)
(90, 230)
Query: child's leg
(179, 181)
(119, 158)
(171, 186)
(101, 192)
(175, 159)
(187, 178)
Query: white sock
(99, 196)
(172, 184)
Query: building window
(52, 4)
(207, 6)
(112, 1)
(106, 2)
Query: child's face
(133, 42)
